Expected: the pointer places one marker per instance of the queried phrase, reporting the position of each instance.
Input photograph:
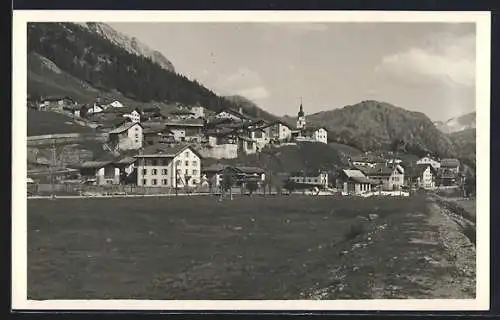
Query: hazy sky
(428, 67)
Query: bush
(354, 231)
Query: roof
(378, 170)
(124, 127)
(418, 170)
(126, 160)
(235, 113)
(181, 112)
(313, 129)
(450, 163)
(184, 123)
(93, 164)
(370, 159)
(250, 170)
(351, 173)
(214, 168)
(362, 180)
(165, 151)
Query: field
(250, 248)
(45, 122)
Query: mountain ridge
(131, 44)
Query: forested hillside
(106, 66)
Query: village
(150, 151)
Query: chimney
(240, 110)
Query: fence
(82, 189)
(65, 138)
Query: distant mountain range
(467, 121)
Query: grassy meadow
(199, 248)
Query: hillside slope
(251, 108)
(373, 125)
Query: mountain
(465, 142)
(93, 60)
(250, 108)
(130, 44)
(374, 125)
(467, 121)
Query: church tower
(301, 119)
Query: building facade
(128, 136)
(319, 179)
(176, 167)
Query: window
(186, 163)
(153, 172)
(164, 162)
(186, 172)
(136, 129)
(178, 163)
(193, 181)
(164, 182)
(154, 162)
(164, 171)
(137, 136)
(144, 172)
(136, 141)
(187, 154)
(153, 182)
(195, 163)
(144, 182)
(195, 172)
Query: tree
(252, 186)
(227, 184)
(290, 186)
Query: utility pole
(52, 164)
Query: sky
(419, 66)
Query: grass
(198, 248)
(46, 122)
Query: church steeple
(301, 110)
(301, 119)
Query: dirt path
(416, 255)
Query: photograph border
(19, 150)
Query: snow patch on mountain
(131, 44)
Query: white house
(116, 104)
(428, 160)
(312, 134)
(387, 177)
(134, 115)
(95, 108)
(232, 114)
(278, 131)
(198, 112)
(319, 179)
(172, 167)
(424, 176)
(99, 172)
(128, 136)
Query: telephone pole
(52, 164)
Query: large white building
(173, 167)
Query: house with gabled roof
(98, 172)
(422, 176)
(127, 136)
(354, 182)
(387, 177)
(172, 167)
(232, 114)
